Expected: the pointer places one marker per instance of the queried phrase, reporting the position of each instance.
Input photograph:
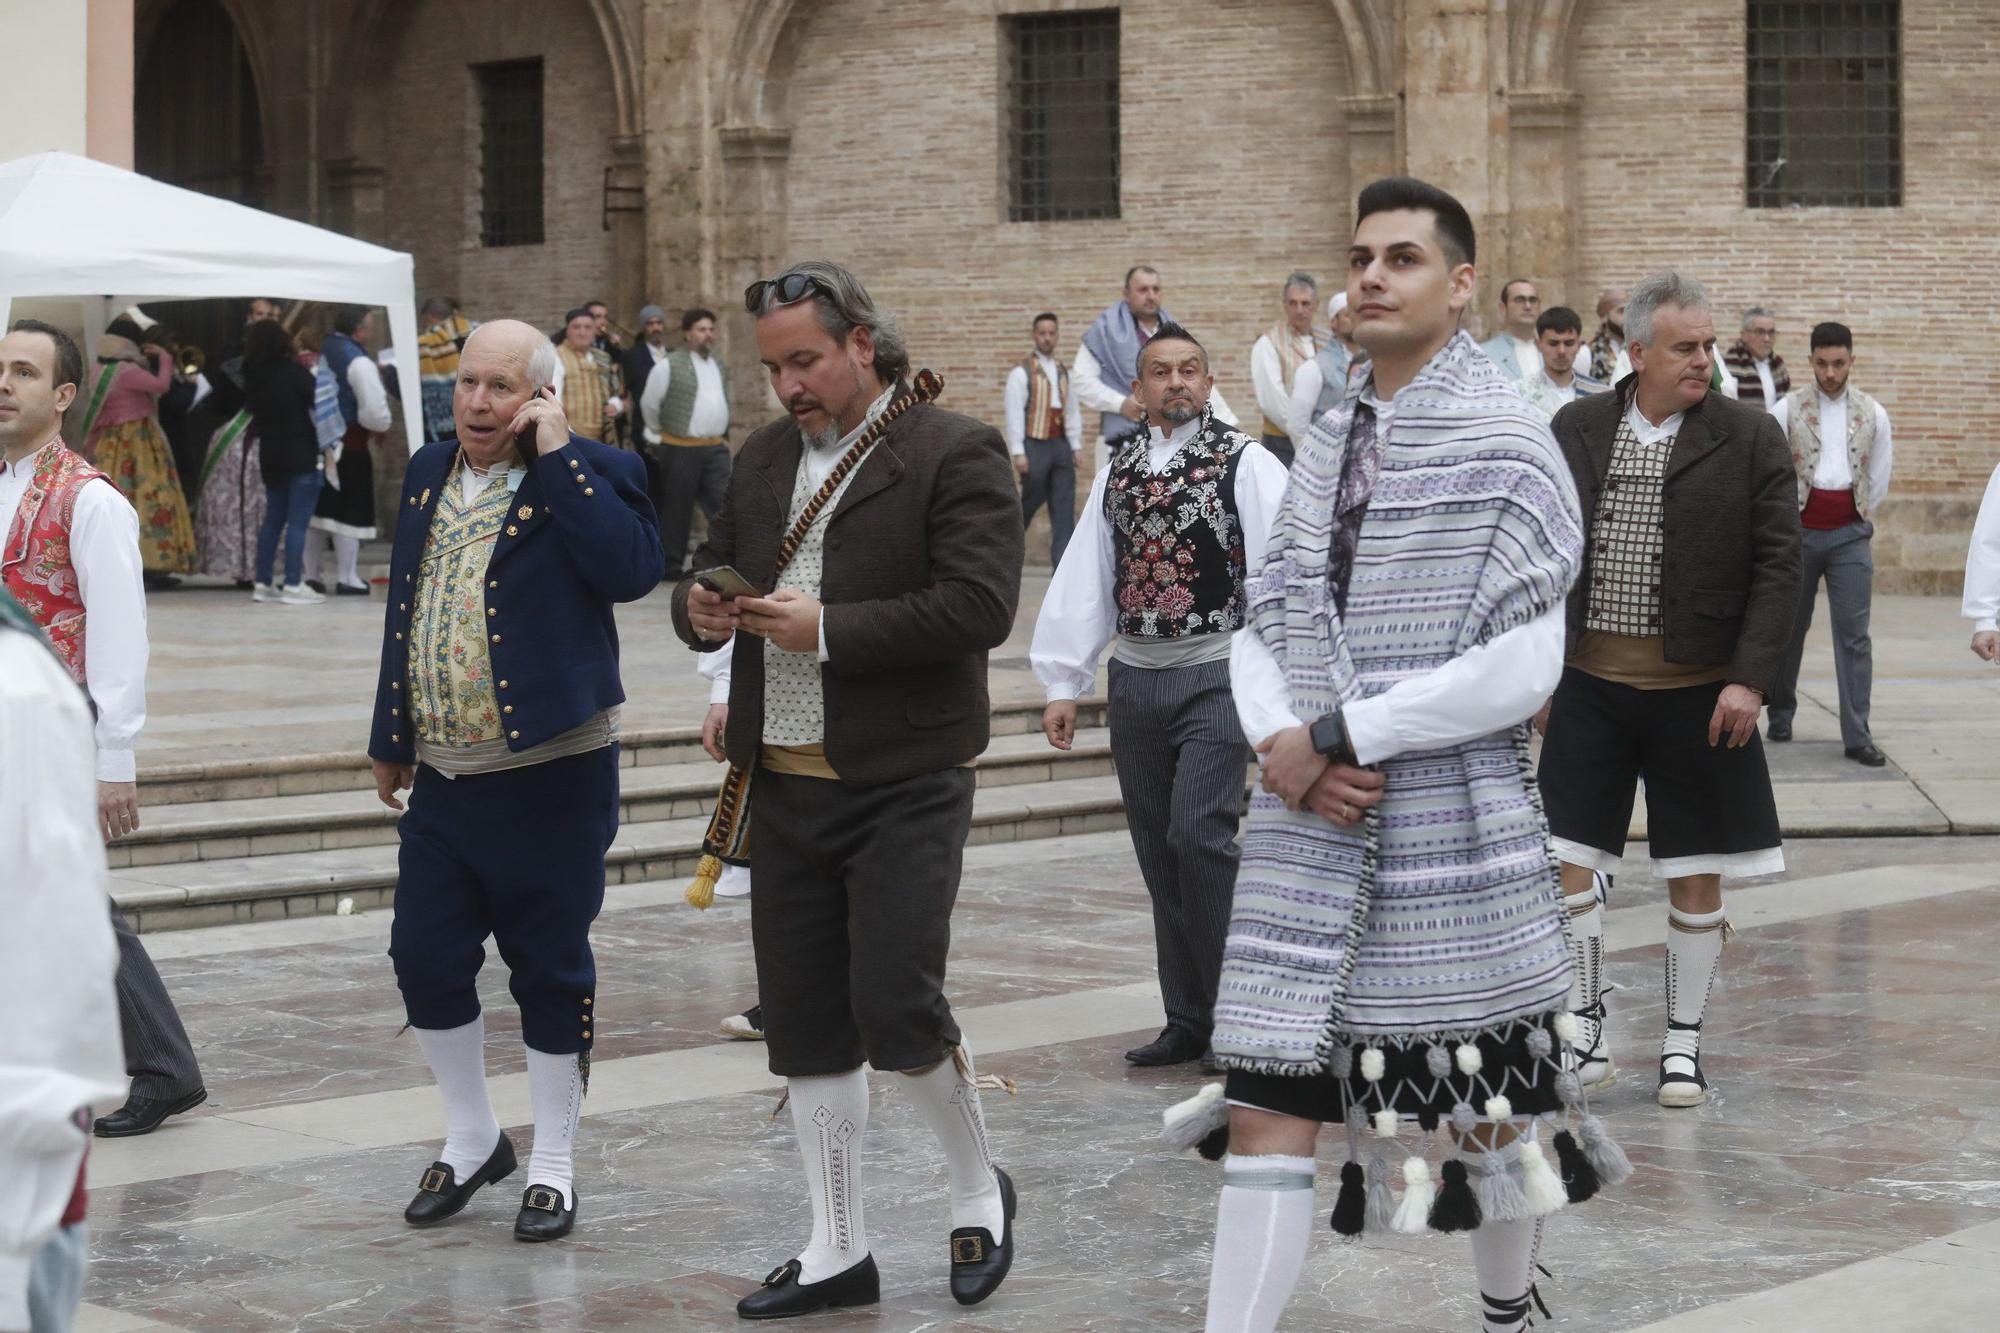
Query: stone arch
(252, 31)
(1539, 42)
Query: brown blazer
(922, 574)
(1730, 582)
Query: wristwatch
(1329, 737)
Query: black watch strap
(1329, 737)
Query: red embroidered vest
(34, 563)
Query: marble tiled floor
(1846, 1175)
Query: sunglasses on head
(787, 288)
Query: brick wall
(1233, 176)
(432, 179)
(1661, 177)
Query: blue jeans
(288, 505)
(55, 1281)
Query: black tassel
(1351, 1204)
(1215, 1145)
(1456, 1207)
(1579, 1177)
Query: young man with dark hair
(1168, 534)
(1044, 429)
(1841, 451)
(1396, 883)
(1559, 338)
(686, 405)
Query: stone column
(1541, 159)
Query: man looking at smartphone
(497, 708)
(857, 704)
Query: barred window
(510, 152)
(1062, 115)
(1825, 109)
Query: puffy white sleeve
(104, 548)
(371, 400)
(1014, 415)
(1982, 563)
(1086, 382)
(715, 668)
(1080, 610)
(650, 398)
(1494, 686)
(1883, 461)
(1267, 379)
(1305, 397)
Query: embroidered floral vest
(1177, 541)
(34, 563)
(1804, 431)
(452, 699)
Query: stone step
(227, 890)
(252, 827)
(301, 775)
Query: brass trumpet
(188, 359)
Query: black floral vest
(1176, 539)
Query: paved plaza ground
(1846, 1176)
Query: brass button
(399, 636)
(590, 490)
(578, 479)
(395, 712)
(408, 577)
(513, 531)
(513, 735)
(496, 638)
(586, 1034)
(586, 1002)
(492, 610)
(402, 606)
(503, 684)
(572, 462)
(507, 708)
(493, 583)
(394, 737)
(395, 684)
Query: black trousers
(158, 1055)
(690, 474)
(851, 919)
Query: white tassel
(1469, 1059)
(1387, 1123)
(1373, 1064)
(1566, 1026)
(1498, 1108)
(1540, 1185)
(1413, 1214)
(1187, 1123)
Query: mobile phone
(524, 440)
(724, 581)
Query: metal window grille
(1062, 115)
(1825, 109)
(510, 152)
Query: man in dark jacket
(497, 706)
(858, 703)
(1677, 629)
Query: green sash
(97, 397)
(231, 431)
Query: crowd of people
(1404, 939)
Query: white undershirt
(1015, 418)
(1646, 431)
(1267, 376)
(1079, 613)
(709, 418)
(1770, 385)
(104, 550)
(1835, 470)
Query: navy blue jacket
(582, 535)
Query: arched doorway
(197, 118)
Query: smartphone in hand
(524, 440)
(724, 581)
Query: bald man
(497, 709)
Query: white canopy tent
(73, 227)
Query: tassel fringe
(1579, 1177)
(1350, 1206)
(1201, 1122)
(700, 893)
(1456, 1208)
(1539, 1184)
(1609, 1160)
(1413, 1215)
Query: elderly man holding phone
(498, 709)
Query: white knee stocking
(457, 1057)
(830, 1116)
(315, 553)
(555, 1088)
(1262, 1228)
(1694, 950)
(950, 1105)
(1503, 1255)
(347, 550)
(1586, 933)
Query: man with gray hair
(1752, 370)
(1678, 628)
(1323, 380)
(866, 558)
(1276, 358)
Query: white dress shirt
(1770, 386)
(1015, 420)
(104, 549)
(1645, 431)
(1267, 377)
(1527, 358)
(1982, 563)
(1546, 396)
(1305, 397)
(371, 399)
(709, 418)
(1080, 611)
(59, 1048)
(1835, 471)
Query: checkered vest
(1628, 539)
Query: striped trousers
(158, 1055)
(1181, 757)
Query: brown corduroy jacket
(1730, 577)
(921, 577)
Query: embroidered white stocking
(555, 1088)
(830, 1116)
(950, 1106)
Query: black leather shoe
(349, 590)
(783, 1295)
(1867, 756)
(142, 1115)
(1174, 1046)
(316, 585)
(1775, 730)
(977, 1264)
(441, 1195)
(542, 1215)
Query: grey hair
(1304, 280)
(542, 364)
(1667, 287)
(1757, 312)
(850, 307)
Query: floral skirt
(135, 455)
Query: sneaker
(746, 1026)
(735, 882)
(266, 592)
(300, 595)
